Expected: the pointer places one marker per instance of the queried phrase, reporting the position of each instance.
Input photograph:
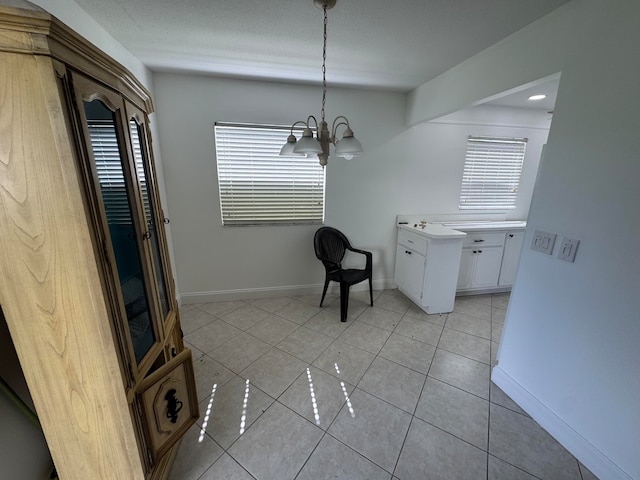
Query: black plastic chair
(331, 245)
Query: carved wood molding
(39, 33)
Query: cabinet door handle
(407, 252)
(409, 241)
(479, 251)
(478, 241)
(511, 235)
(475, 251)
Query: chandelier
(347, 147)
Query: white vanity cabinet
(436, 261)
(427, 263)
(410, 263)
(489, 259)
(481, 260)
(510, 258)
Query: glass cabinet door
(115, 198)
(115, 187)
(152, 233)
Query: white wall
(23, 449)
(569, 353)
(442, 143)
(402, 171)
(212, 258)
(582, 324)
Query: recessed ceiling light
(537, 97)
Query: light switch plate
(543, 241)
(568, 248)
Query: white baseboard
(483, 291)
(251, 293)
(592, 458)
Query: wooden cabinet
(85, 280)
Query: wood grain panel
(50, 289)
(20, 36)
(169, 385)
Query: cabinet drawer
(169, 403)
(484, 239)
(412, 241)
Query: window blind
(258, 186)
(140, 170)
(491, 173)
(106, 153)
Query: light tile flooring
(287, 391)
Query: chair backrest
(330, 245)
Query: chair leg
(344, 301)
(324, 290)
(370, 291)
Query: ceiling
(519, 97)
(396, 45)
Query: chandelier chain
(324, 62)
(320, 143)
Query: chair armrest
(369, 256)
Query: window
(491, 173)
(258, 186)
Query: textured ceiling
(395, 44)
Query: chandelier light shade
(307, 144)
(347, 147)
(287, 148)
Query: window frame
(258, 186)
(492, 173)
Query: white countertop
(442, 230)
(481, 226)
(434, 230)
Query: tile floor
(287, 391)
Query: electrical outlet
(568, 248)
(543, 241)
